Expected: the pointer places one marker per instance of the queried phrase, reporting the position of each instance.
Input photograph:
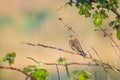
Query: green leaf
(26, 69)
(4, 59)
(118, 20)
(81, 10)
(87, 75)
(77, 5)
(70, 2)
(87, 14)
(98, 21)
(75, 72)
(29, 68)
(103, 14)
(62, 60)
(13, 54)
(84, 75)
(110, 7)
(41, 74)
(95, 15)
(118, 33)
(10, 57)
(11, 61)
(88, 6)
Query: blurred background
(36, 21)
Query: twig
(32, 59)
(109, 37)
(59, 49)
(115, 11)
(95, 75)
(58, 71)
(45, 46)
(107, 66)
(116, 55)
(19, 70)
(68, 27)
(88, 57)
(64, 6)
(67, 70)
(101, 62)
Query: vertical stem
(58, 71)
(101, 62)
(68, 74)
(95, 75)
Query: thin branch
(67, 71)
(101, 62)
(116, 53)
(99, 58)
(45, 46)
(109, 37)
(69, 28)
(58, 71)
(107, 66)
(95, 75)
(32, 59)
(19, 70)
(59, 49)
(115, 12)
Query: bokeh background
(36, 21)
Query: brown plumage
(75, 45)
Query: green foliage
(99, 11)
(10, 57)
(99, 16)
(116, 25)
(84, 8)
(29, 68)
(37, 73)
(80, 75)
(62, 61)
(40, 74)
(118, 32)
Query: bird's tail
(82, 53)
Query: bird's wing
(71, 45)
(78, 45)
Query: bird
(74, 44)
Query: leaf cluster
(37, 73)
(81, 75)
(10, 57)
(99, 9)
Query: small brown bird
(75, 45)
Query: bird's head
(72, 37)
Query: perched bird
(75, 45)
